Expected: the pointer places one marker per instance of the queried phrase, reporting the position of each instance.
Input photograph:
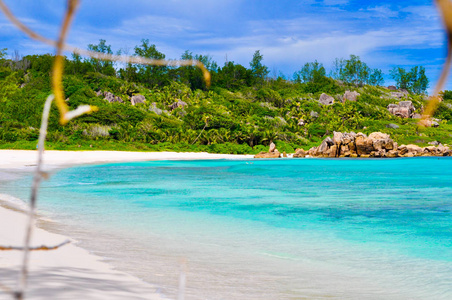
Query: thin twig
(38, 248)
(22, 283)
(199, 134)
(206, 121)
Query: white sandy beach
(13, 159)
(69, 272)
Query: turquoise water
(265, 229)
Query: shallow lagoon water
(265, 229)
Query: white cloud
(335, 2)
(425, 12)
(157, 26)
(383, 11)
(383, 35)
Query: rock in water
(264, 154)
(362, 144)
(272, 147)
(325, 146)
(337, 137)
(299, 153)
(381, 141)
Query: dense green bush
(240, 113)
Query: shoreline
(23, 159)
(53, 273)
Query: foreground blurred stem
(57, 76)
(38, 176)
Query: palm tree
(206, 119)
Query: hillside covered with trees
(172, 108)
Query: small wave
(279, 255)
(13, 202)
(44, 219)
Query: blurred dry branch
(66, 115)
(445, 9)
(22, 282)
(57, 76)
(38, 248)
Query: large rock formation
(350, 96)
(314, 114)
(299, 153)
(153, 107)
(110, 97)
(400, 94)
(325, 99)
(404, 109)
(137, 99)
(430, 122)
(178, 103)
(377, 144)
(272, 152)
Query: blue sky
(288, 33)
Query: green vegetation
(241, 112)
(354, 71)
(414, 81)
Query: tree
(104, 67)
(354, 71)
(376, 77)
(446, 95)
(41, 63)
(419, 81)
(4, 69)
(414, 81)
(3, 53)
(193, 76)
(258, 70)
(129, 72)
(151, 75)
(233, 76)
(311, 72)
(18, 62)
(77, 66)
